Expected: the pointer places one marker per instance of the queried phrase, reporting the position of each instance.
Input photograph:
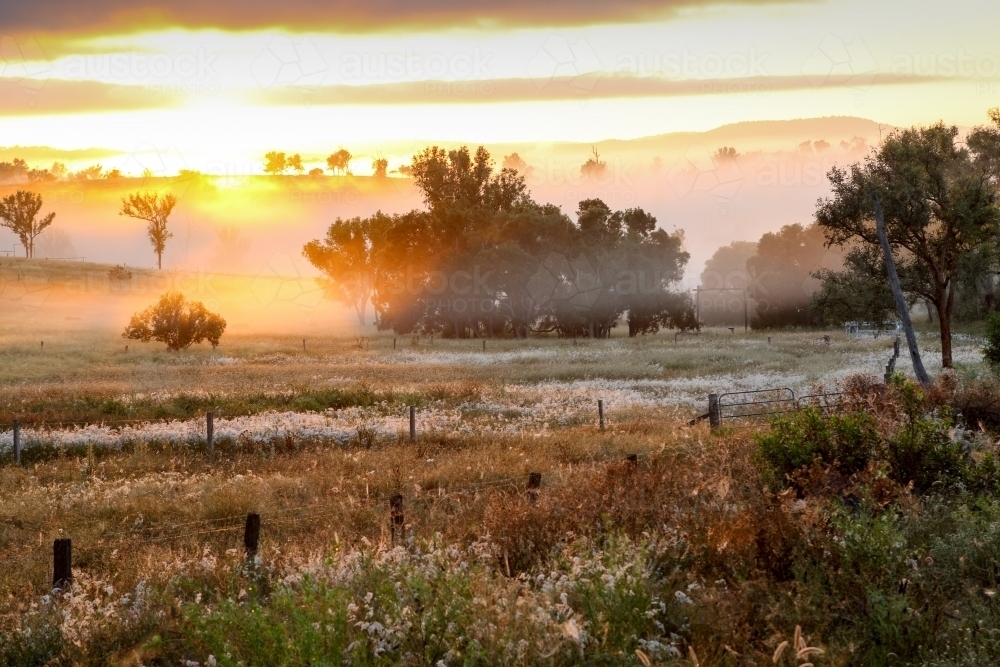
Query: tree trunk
(944, 323)
(897, 293)
(159, 260)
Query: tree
(346, 257)
(340, 161)
(154, 210)
(275, 163)
(781, 276)
(177, 322)
(594, 167)
(939, 205)
(380, 166)
(295, 163)
(727, 154)
(316, 172)
(113, 174)
(91, 173)
(19, 213)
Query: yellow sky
(213, 90)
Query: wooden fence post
(534, 483)
(413, 423)
(484, 345)
(394, 343)
(251, 534)
(17, 441)
(714, 413)
(303, 344)
(768, 340)
(62, 563)
(600, 412)
(396, 515)
(210, 432)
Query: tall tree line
(484, 259)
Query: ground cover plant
(865, 536)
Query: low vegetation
(863, 536)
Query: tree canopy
(939, 199)
(177, 322)
(485, 259)
(19, 213)
(155, 210)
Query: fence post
(210, 432)
(484, 345)
(600, 412)
(768, 340)
(17, 441)
(396, 515)
(714, 414)
(251, 534)
(303, 344)
(394, 343)
(62, 563)
(413, 423)
(534, 483)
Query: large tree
(346, 257)
(155, 210)
(939, 203)
(19, 213)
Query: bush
(991, 351)
(922, 453)
(847, 442)
(177, 322)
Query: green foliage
(991, 351)
(925, 450)
(177, 322)
(846, 441)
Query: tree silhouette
(940, 210)
(380, 166)
(275, 163)
(340, 161)
(295, 162)
(154, 210)
(177, 322)
(594, 167)
(18, 212)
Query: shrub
(991, 351)
(177, 322)
(847, 442)
(923, 453)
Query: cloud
(75, 16)
(475, 91)
(20, 97)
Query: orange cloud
(588, 86)
(75, 16)
(33, 97)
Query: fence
(252, 523)
(209, 428)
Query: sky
(212, 85)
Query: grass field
(698, 554)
